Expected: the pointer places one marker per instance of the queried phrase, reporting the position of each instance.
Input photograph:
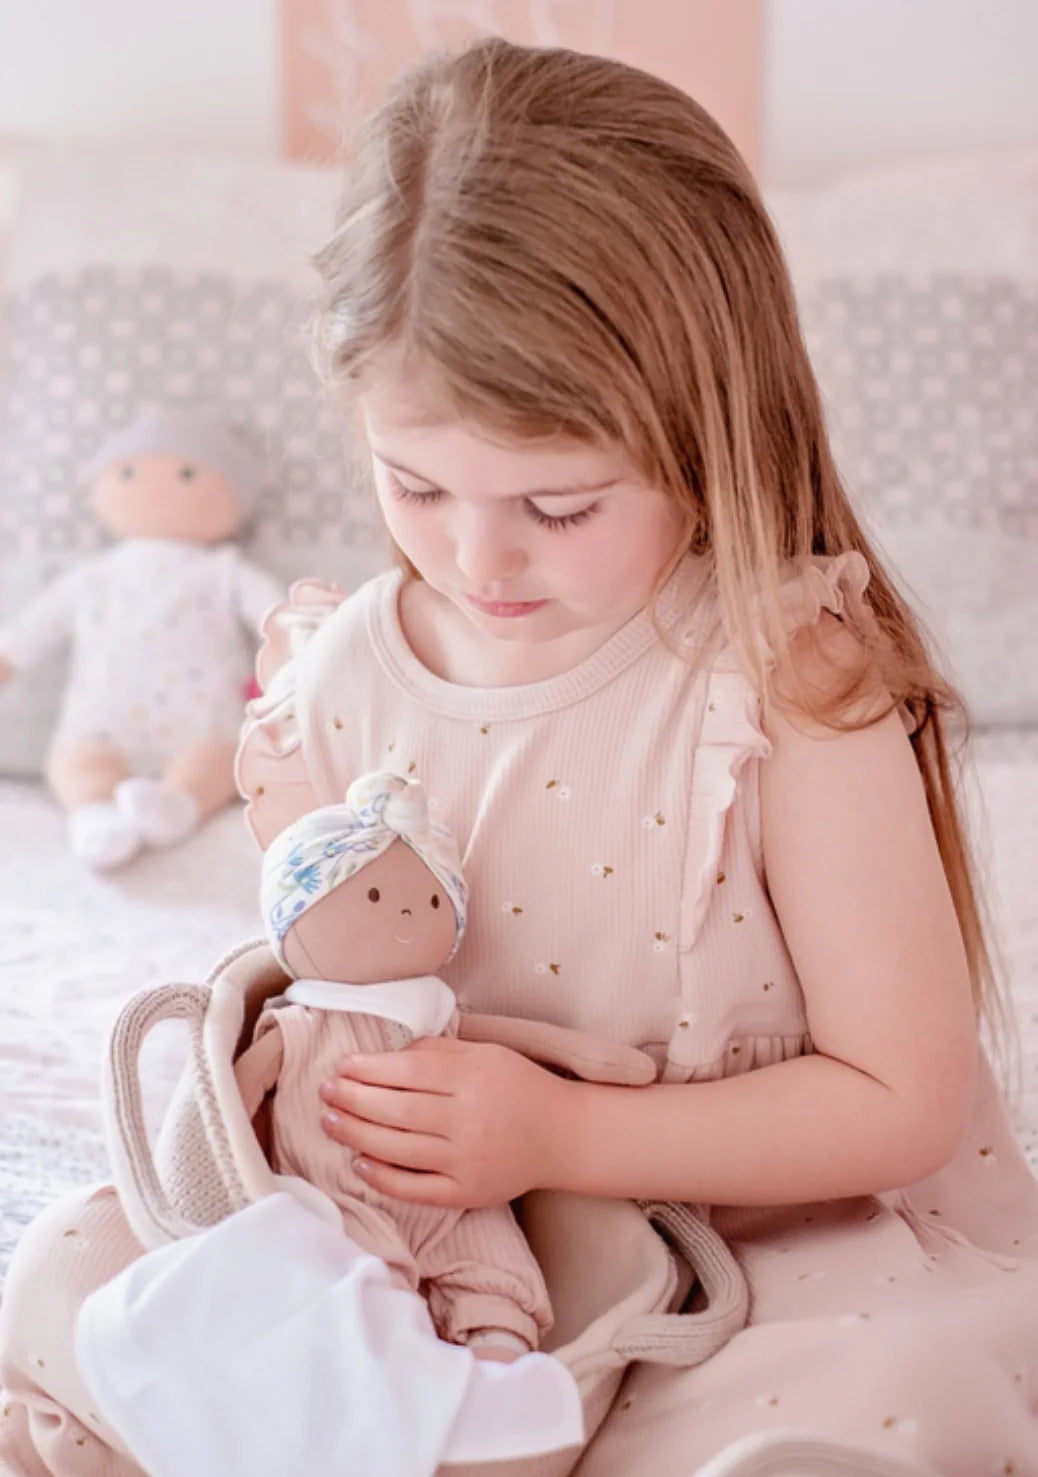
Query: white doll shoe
(161, 816)
(100, 835)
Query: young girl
(659, 684)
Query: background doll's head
(365, 891)
(174, 474)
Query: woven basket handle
(152, 1216)
(688, 1338)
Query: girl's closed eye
(427, 496)
(422, 496)
(561, 520)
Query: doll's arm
(257, 593)
(257, 1069)
(43, 626)
(586, 1054)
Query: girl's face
(528, 543)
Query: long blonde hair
(563, 245)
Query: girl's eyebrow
(517, 496)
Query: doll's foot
(161, 816)
(497, 1345)
(103, 838)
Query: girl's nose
(485, 554)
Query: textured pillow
(136, 278)
(918, 289)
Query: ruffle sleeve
(731, 732)
(270, 766)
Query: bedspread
(74, 946)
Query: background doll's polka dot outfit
(162, 633)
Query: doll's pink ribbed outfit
(610, 833)
(474, 1265)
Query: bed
(73, 945)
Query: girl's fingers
(391, 1145)
(420, 1189)
(420, 1112)
(419, 1070)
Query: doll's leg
(85, 772)
(84, 776)
(205, 771)
(195, 783)
(481, 1276)
(49, 1425)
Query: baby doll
(160, 628)
(363, 902)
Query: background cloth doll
(162, 628)
(362, 903)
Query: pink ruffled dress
(610, 830)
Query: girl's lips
(506, 609)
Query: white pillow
(134, 277)
(918, 289)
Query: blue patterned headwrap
(326, 847)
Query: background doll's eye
(373, 894)
(126, 472)
(435, 899)
(186, 473)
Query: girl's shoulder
(314, 606)
(318, 624)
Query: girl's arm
(858, 886)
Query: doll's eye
(373, 894)
(126, 472)
(435, 899)
(186, 474)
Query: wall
(853, 82)
(847, 82)
(336, 72)
(191, 72)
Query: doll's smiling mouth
(398, 940)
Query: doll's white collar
(424, 1005)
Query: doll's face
(392, 920)
(160, 496)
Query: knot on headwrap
(325, 847)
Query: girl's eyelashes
(412, 495)
(427, 496)
(562, 520)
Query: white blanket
(272, 1344)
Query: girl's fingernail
(362, 1166)
(327, 1089)
(330, 1119)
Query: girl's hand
(447, 1122)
